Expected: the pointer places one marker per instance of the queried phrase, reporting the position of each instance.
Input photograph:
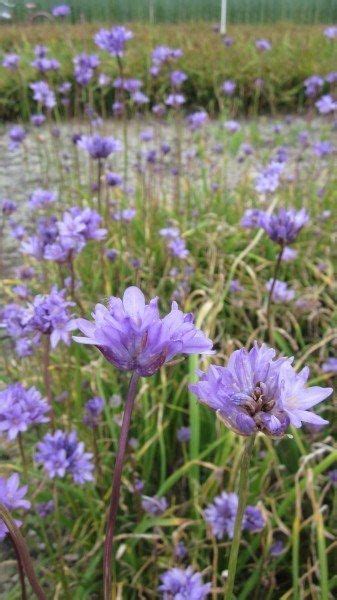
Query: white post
(223, 20)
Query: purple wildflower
(8, 207)
(330, 365)
(232, 126)
(313, 85)
(132, 336)
(177, 78)
(20, 408)
(61, 454)
(276, 548)
(257, 392)
(12, 497)
(197, 119)
(268, 180)
(284, 226)
(253, 519)
(323, 148)
(40, 198)
(44, 509)
(252, 218)
(333, 477)
(93, 410)
(99, 147)
(113, 40)
(84, 67)
(154, 506)
(326, 105)
(43, 94)
(126, 215)
(61, 10)
(331, 32)
(175, 100)
(281, 292)
(11, 61)
(50, 316)
(263, 45)
(220, 515)
(289, 254)
(177, 247)
(16, 135)
(183, 583)
(113, 179)
(37, 120)
(184, 434)
(228, 87)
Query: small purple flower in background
(330, 365)
(37, 120)
(277, 548)
(184, 434)
(162, 55)
(49, 315)
(44, 509)
(126, 215)
(16, 136)
(289, 254)
(8, 207)
(11, 61)
(13, 317)
(140, 98)
(197, 120)
(313, 85)
(333, 477)
(99, 147)
(180, 551)
(113, 179)
(20, 408)
(252, 218)
(177, 247)
(228, 87)
(331, 32)
(281, 292)
(113, 40)
(232, 126)
(323, 148)
(169, 233)
(263, 45)
(326, 105)
(154, 505)
(42, 63)
(93, 410)
(221, 513)
(268, 180)
(235, 286)
(84, 67)
(40, 198)
(132, 336)
(253, 519)
(177, 78)
(111, 254)
(12, 497)
(175, 100)
(62, 10)
(331, 77)
(284, 226)
(257, 392)
(43, 94)
(178, 584)
(62, 454)
(228, 41)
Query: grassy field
(284, 68)
(239, 11)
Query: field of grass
(292, 59)
(182, 206)
(239, 11)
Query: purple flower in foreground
(113, 40)
(281, 292)
(99, 147)
(21, 408)
(257, 392)
(43, 94)
(154, 506)
(12, 497)
(330, 365)
(178, 584)
(61, 454)
(284, 226)
(132, 336)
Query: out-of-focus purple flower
(263, 45)
(281, 292)
(284, 226)
(175, 100)
(113, 40)
(333, 477)
(268, 180)
(62, 10)
(84, 67)
(93, 410)
(154, 505)
(197, 119)
(253, 519)
(180, 550)
(252, 218)
(132, 336)
(228, 41)
(232, 126)
(16, 135)
(326, 105)
(99, 147)
(228, 87)
(42, 63)
(323, 148)
(140, 98)
(289, 254)
(61, 454)
(162, 55)
(331, 32)
(104, 80)
(331, 77)
(330, 365)
(221, 513)
(169, 233)
(303, 137)
(235, 286)
(177, 78)
(20, 408)
(111, 254)
(37, 120)
(257, 392)
(13, 317)
(40, 198)
(177, 247)
(8, 207)
(313, 85)
(277, 548)
(183, 583)
(44, 509)
(49, 315)
(118, 108)
(113, 179)
(12, 497)
(21, 291)
(184, 434)
(159, 110)
(11, 61)
(43, 94)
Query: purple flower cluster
(284, 226)
(43, 94)
(313, 85)
(20, 408)
(12, 497)
(16, 136)
(99, 147)
(61, 10)
(62, 454)
(326, 105)
(197, 119)
(281, 292)
(268, 180)
(257, 392)
(154, 505)
(84, 67)
(178, 584)
(113, 40)
(221, 514)
(175, 243)
(42, 63)
(93, 410)
(49, 315)
(132, 336)
(40, 198)
(11, 61)
(163, 55)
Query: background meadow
(200, 178)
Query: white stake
(223, 20)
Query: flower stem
(116, 484)
(22, 455)
(270, 297)
(242, 494)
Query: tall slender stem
(242, 494)
(116, 484)
(22, 455)
(270, 297)
(21, 574)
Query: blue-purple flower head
(154, 505)
(43, 94)
(8, 207)
(16, 134)
(221, 515)
(284, 226)
(326, 105)
(263, 45)
(228, 87)
(61, 454)
(330, 365)
(93, 410)
(84, 67)
(313, 85)
(178, 584)
(281, 292)
(258, 392)
(113, 40)
(11, 61)
(331, 32)
(177, 78)
(131, 335)
(197, 119)
(99, 147)
(20, 408)
(268, 180)
(13, 498)
(40, 198)
(50, 316)
(61, 10)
